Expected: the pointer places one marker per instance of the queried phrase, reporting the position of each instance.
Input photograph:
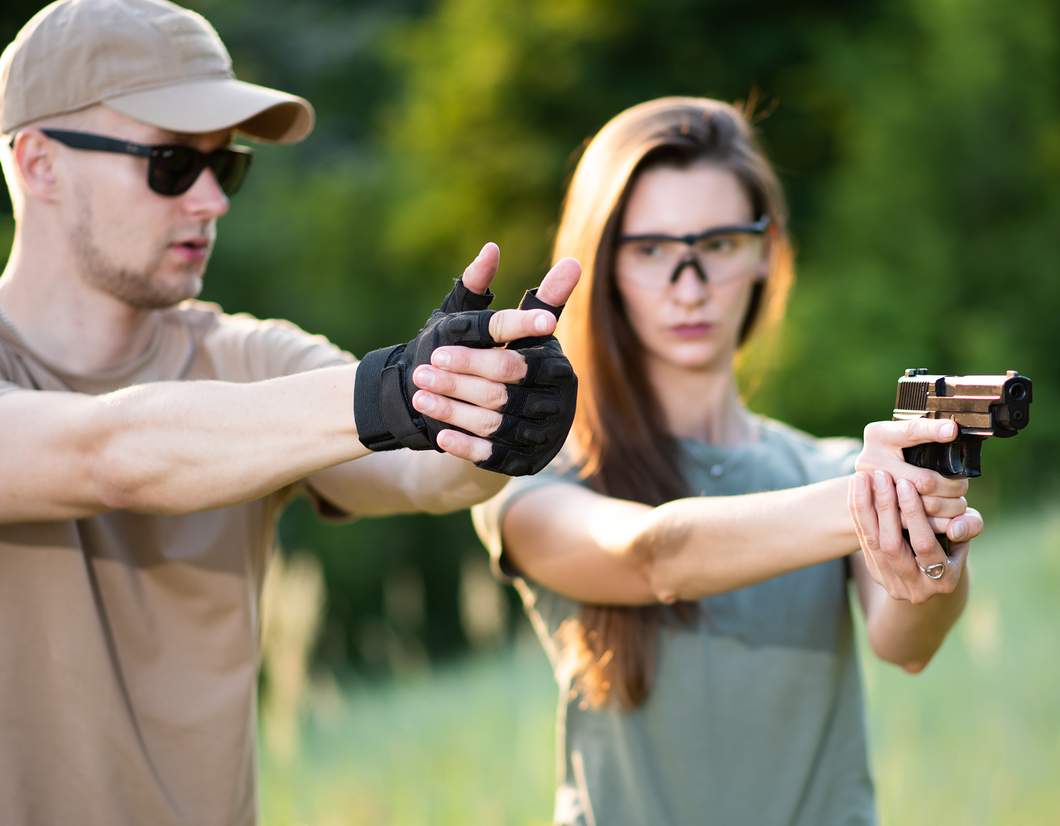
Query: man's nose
(205, 198)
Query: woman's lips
(697, 330)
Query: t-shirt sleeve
(244, 348)
(489, 516)
(9, 371)
(816, 459)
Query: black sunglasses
(171, 169)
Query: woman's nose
(690, 281)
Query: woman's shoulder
(488, 517)
(820, 458)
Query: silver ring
(934, 571)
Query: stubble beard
(144, 288)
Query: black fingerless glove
(535, 420)
(540, 409)
(382, 396)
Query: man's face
(145, 249)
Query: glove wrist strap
(371, 426)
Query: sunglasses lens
(173, 169)
(230, 167)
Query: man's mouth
(192, 249)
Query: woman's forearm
(692, 548)
(908, 634)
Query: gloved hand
(535, 419)
(382, 396)
(540, 409)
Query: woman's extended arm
(602, 550)
(596, 549)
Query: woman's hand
(943, 498)
(880, 506)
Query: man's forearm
(171, 447)
(404, 481)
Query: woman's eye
(649, 250)
(720, 243)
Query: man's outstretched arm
(470, 388)
(180, 447)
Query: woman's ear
(35, 163)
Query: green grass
(473, 744)
(974, 739)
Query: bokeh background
(919, 142)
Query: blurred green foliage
(919, 141)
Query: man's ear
(35, 162)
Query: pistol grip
(941, 457)
(943, 540)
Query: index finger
(511, 325)
(913, 432)
(559, 282)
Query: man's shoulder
(243, 347)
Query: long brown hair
(619, 439)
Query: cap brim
(220, 103)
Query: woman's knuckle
(890, 548)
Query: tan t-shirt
(129, 642)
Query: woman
(687, 568)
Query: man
(148, 445)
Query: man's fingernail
(905, 490)
(947, 430)
(424, 402)
(425, 377)
(959, 530)
(880, 479)
(861, 484)
(441, 358)
(541, 323)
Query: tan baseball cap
(150, 60)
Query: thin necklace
(7, 323)
(718, 470)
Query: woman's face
(689, 322)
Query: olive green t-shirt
(755, 714)
(129, 642)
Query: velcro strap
(371, 429)
(396, 409)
